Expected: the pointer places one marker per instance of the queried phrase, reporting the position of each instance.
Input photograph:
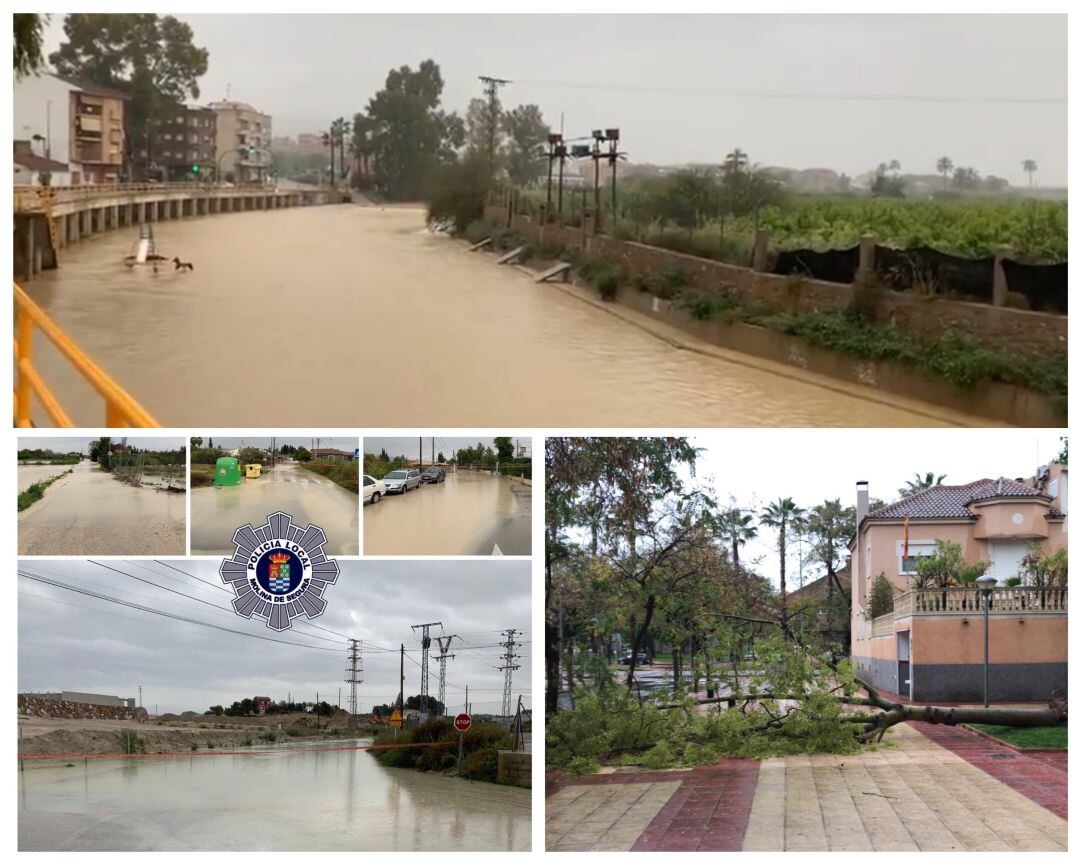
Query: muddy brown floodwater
(217, 511)
(294, 798)
(470, 513)
(350, 315)
(30, 474)
(90, 512)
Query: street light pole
(986, 585)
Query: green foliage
(36, 491)
(526, 134)
(28, 30)
(881, 596)
(478, 230)
(616, 727)
(457, 196)
(1045, 570)
(410, 136)
(345, 474)
(954, 356)
(1037, 736)
(480, 747)
(943, 568)
(130, 742)
(706, 305)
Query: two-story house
(930, 647)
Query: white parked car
(373, 489)
(402, 480)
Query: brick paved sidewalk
(939, 790)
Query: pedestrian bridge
(51, 218)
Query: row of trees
(246, 708)
(406, 144)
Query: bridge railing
(31, 197)
(121, 409)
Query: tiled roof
(954, 502)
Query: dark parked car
(434, 474)
(642, 659)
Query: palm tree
(944, 167)
(1030, 166)
(735, 161)
(921, 482)
(736, 527)
(783, 515)
(337, 135)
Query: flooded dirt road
(90, 512)
(284, 800)
(357, 316)
(217, 511)
(31, 474)
(470, 513)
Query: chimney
(862, 502)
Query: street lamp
(986, 584)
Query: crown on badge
(279, 558)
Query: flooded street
(284, 800)
(90, 512)
(357, 316)
(217, 511)
(31, 474)
(470, 513)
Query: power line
(56, 584)
(508, 668)
(820, 96)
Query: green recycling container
(227, 472)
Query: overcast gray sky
(689, 88)
(410, 447)
(68, 641)
(80, 443)
(757, 466)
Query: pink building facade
(930, 648)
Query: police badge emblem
(279, 571)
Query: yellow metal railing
(121, 409)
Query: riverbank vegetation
(345, 474)
(36, 491)
(480, 748)
(28, 456)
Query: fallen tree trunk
(892, 713)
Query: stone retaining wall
(515, 768)
(999, 326)
(38, 706)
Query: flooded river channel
(276, 799)
(357, 316)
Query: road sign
(356, 453)
(395, 719)
(463, 722)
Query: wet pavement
(275, 800)
(470, 513)
(90, 512)
(480, 344)
(217, 511)
(942, 791)
(31, 474)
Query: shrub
(458, 195)
(706, 306)
(481, 765)
(478, 230)
(130, 742)
(881, 596)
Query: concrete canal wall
(46, 222)
(515, 768)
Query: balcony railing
(968, 601)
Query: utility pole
(140, 695)
(491, 90)
(508, 667)
(354, 674)
(425, 644)
(401, 689)
(444, 646)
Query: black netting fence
(836, 265)
(1046, 286)
(935, 272)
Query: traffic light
(195, 168)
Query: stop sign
(463, 722)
